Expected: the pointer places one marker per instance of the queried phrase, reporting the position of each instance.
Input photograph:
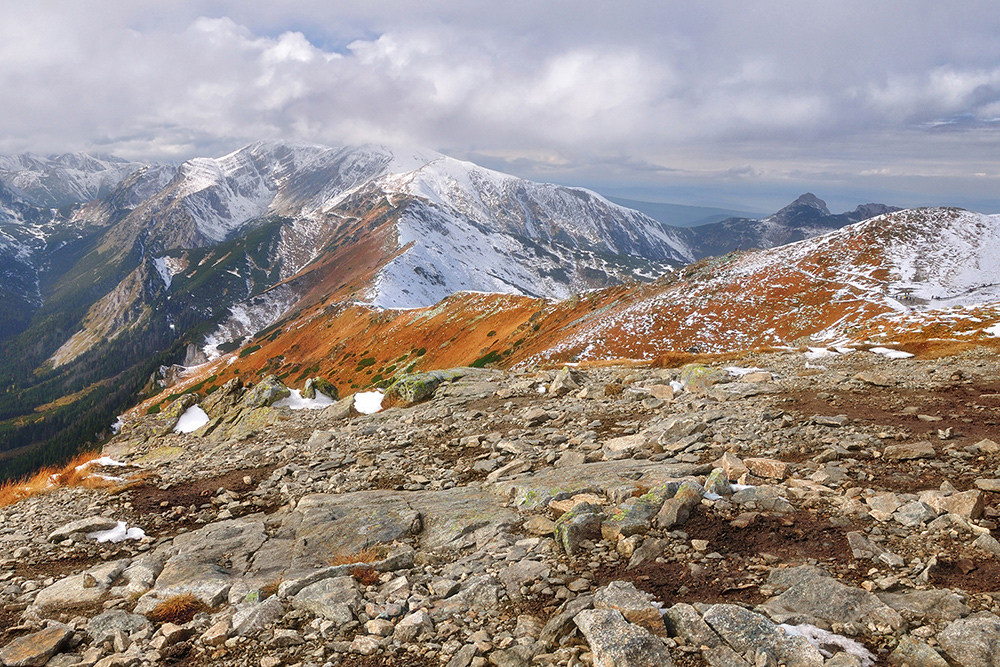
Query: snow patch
(993, 330)
(105, 461)
(368, 402)
(192, 420)
(890, 353)
(737, 371)
(823, 639)
(296, 402)
(119, 533)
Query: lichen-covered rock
(973, 641)
(698, 378)
(744, 630)
(265, 393)
(417, 387)
(583, 522)
(321, 385)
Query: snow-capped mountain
(59, 180)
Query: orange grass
(366, 555)
(51, 478)
(179, 609)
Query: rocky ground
(833, 511)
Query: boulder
(564, 383)
(321, 385)
(745, 630)
(634, 605)
(614, 642)
(265, 393)
(336, 599)
(909, 451)
(81, 527)
(35, 649)
(418, 387)
(583, 522)
(822, 601)
(973, 641)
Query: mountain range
(359, 262)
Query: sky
(717, 103)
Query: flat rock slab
(91, 524)
(933, 605)
(86, 588)
(743, 630)
(533, 490)
(453, 517)
(323, 527)
(35, 649)
(825, 600)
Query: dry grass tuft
(365, 575)
(366, 555)
(74, 473)
(270, 588)
(179, 609)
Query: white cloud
(563, 89)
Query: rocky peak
(804, 210)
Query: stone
(463, 656)
(734, 467)
(413, 626)
(624, 447)
(520, 573)
(767, 498)
(539, 525)
(992, 485)
(664, 392)
(768, 468)
(334, 599)
(80, 590)
(364, 645)
(718, 483)
(614, 642)
(265, 393)
(561, 623)
(633, 517)
(864, 549)
(836, 421)
(988, 543)
(417, 387)
(564, 383)
(684, 621)
(624, 597)
(583, 522)
(342, 409)
(931, 605)
(723, 656)
(914, 513)
(252, 618)
(318, 384)
(35, 649)
(967, 504)
(677, 509)
(478, 592)
(884, 503)
(911, 652)
(745, 630)
(173, 633)
(81, 527)
(875, 379)
(698, 378)
(103, 627)
(987, 446)
(516, 656)
(515, 467)
(823, 600)
(973, 641)
(909, 451)
(216, 635)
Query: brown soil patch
(791, 537)
(57, 567)
(674, 582)
(983, 578)
(961, 407)
(149, 499)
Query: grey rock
(417, 387)
(561, 623)
(102, 627)
(684, 621)
(633, 517)
(914, 513)
(82, 589)
(413, 626)
(864, 549)
(479, 592)
(780, 579)
(520, 573)
(932, 605)
(265, 393)
(563, 383)
(334, 599)
(744, 630)
(766, 498)
(823, 600)
(614, 642)
(634, 605)
(583, 522)
(516, 656)
(463, 656)
(252, 618)
(909, 451)
(973, 641)
(723, 656)
(676, 510)
(91, 524)
(915, 653)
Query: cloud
(648, 90)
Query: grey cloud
(652, 91)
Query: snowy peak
(71, 178)
(806, 209)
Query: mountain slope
(71, 178)
(806, 217)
